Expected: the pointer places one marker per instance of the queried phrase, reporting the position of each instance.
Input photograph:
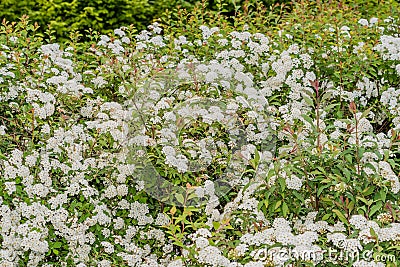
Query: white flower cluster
(76, 187)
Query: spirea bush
(219, 146)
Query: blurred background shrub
(66, 16)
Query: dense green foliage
(65, 17)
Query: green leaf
(346, 172)
(365, 113)
(383, 195)
(394, 247)
(368, 191)
(372, 232)
(180, 198)
(322, 188)
(349, 158)
(178, 243)
(266, 203)
(299, 196)
(256, 156)
(326, 216)
(308, 100)
(309, 120)
(351, 205)
(216, 225)
(285, 209)
(172, 211)
(375, 208)
(282, 183)
(341, 216)
(57, 245)
(2, 156)
(278, 204)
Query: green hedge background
(66, 16)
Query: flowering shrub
(218, 147)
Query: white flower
(119, 223)
(104, 263)
(212, 255)
(363, 22)
(162, 219)
(294, 182)
(168, 151)
(203, 232)
(139, 185)
(201, 242)
(108, 247)
(398, 69)
(338, 239)
(176, 263)
(125, 40)
(10, 187)
(345, 28)
(119, 32)
(110, 192)
(122, 190)
(367, 263)
(3, 130)
(99, 81)
(373, 20)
